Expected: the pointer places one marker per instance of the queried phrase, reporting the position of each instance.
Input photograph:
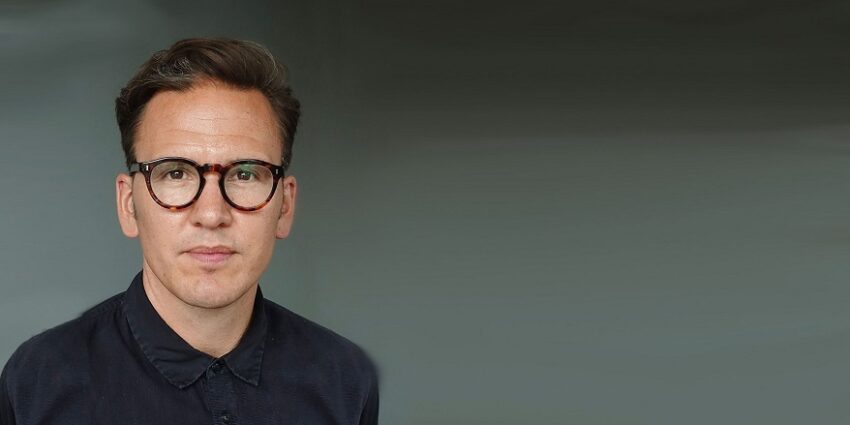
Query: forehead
(211, 122)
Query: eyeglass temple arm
(134, 168)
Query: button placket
(220, 394)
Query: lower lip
(210, 258)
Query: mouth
(211, 255)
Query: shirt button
(225, 417)
(216, 367)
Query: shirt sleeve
(7, 416)
(370, 409)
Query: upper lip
(218, 249)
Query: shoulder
(322, 364)
(65, 344)
(310, 343)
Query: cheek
(157, 231)
(259, 240)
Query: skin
(208, 304)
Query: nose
(211, 210)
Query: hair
(242, 64)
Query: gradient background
(529, 213)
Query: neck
(214, 331)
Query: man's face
(211, 123)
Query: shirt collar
(179, 362)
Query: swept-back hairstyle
(241, 64)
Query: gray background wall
(529, 213)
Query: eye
(175, 174)
(244, 175)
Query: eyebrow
(228, 161)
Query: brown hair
(241, 64)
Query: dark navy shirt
(119, 363)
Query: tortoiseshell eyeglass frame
(146, 168)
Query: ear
(289, 186)
(125, 206)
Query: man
(207, 129)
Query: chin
(212, 292)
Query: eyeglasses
(176, 183)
